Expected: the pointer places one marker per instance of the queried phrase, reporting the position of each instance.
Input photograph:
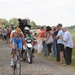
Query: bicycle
(17, 63)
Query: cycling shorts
(17, 42)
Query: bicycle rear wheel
(18, 67)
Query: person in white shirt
(5, 33)
(68, 42)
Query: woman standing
(48, 41)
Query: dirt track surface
(40, 66)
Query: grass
(72, 31)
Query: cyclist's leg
(20, 46)
(13, 52)
(12, 57)
(14, 47)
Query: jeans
(45, 48)
(54, 48)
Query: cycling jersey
(17, 38)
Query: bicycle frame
(17, 63)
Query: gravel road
(40, 65)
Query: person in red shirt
(43, 34)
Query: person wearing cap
(16, 38)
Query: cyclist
(16, 41)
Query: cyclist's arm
(24, 42)
(11, 40)
(11, 43)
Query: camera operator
(23, 23)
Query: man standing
(60, 43)
(67, 38)
(56, 47)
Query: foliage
(33, 25)
(73, 51)
(13, 21)
(4, 21)
(28, 21)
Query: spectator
(54, 42)
(60, 43)
(0, 33)
(8, 34)
(39, 40)
(43, 32)
(48, 45)
(67, 38)
(5, 34)
(54, 36)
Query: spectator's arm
(48, 36)
(65, 38)
(58, 35)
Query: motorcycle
(27, 54)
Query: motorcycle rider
(16, 40)
(25, 27)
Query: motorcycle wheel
(29, 56)
(24, 56)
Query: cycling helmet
(18, 30)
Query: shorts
(0, 35)
(60, 47)
(5, 37)
(17, 42)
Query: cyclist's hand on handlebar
(25, 48)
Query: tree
(33, 25)
(4, 21)
(28, 20)
(14, 22)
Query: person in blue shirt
(60, 43)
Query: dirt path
(40, 66)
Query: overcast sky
(42, 12)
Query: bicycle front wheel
(18, 67)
